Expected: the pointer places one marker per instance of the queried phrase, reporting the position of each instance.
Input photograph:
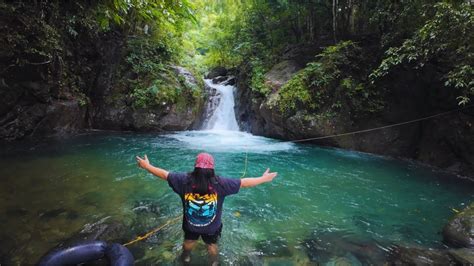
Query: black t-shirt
(202, 213)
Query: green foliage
(146, 56)
(444, 42)
(252, 35)
(156, 83)
(296, 94)
(166, 89)
(132, 13)
(257, 78)
(335, 81)
(158, 93)
(29, 42)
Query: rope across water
(382, 127)
(171, 221)
(358, 132)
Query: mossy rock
(459, 231)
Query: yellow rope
(246, 162)
(378, 128)
(152, 232)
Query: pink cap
(204, 160)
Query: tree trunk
(334, 19)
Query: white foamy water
(223, 117)
(229, 141)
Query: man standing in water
(202, 194)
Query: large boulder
(281, 73)
(459, 231)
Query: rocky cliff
(445, 141)
(59, 74)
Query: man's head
(204, 161)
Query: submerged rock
(419, 256)
(324, 247)
(348, 260)
(50, 214)
(464, 256)
(459, 231)
(17, 212)
(146, 206)
(8, 245)
(105, 229)
(275, 248)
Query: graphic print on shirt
(200, 210)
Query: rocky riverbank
(320, 246)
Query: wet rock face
(189, 78)
(459, 232)
(215, 72)
(213, 98)
(219, 79)
(58, 118)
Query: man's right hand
(267, 176)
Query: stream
(326, 205)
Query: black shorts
(208, 239)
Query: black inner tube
(88, 251)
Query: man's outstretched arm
(145, 164)
(255, 181)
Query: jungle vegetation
(362, 44)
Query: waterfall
(220, 131)
(223, 116)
